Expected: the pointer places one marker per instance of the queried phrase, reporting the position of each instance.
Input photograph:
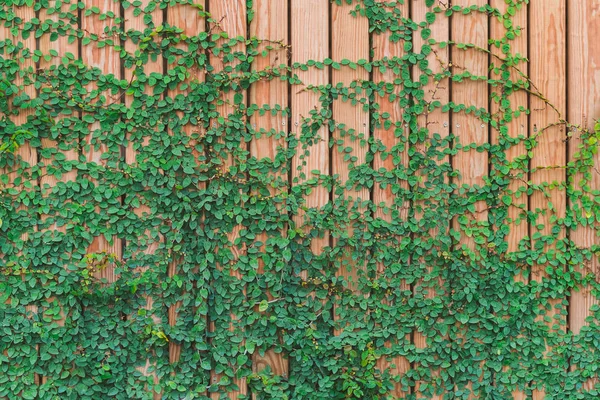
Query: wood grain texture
(270, 22)
(186, 18)
(133, 22)
(347, 29)
(518, 126)
(352, 124)
(547, 55)
(25, 153)
(48, 182)
(232, 18)
(435, 121)
(472, 165)
(107, 60)
(62, 46)
(583, 107)
(310, 26)
(384, 48)
(470, 29)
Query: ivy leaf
(262, 307)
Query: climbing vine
(199, 225)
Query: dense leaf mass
(201, 226)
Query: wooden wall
(561, 38)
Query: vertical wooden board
(25, 153)
(62, 47)
(518, 126)
(583, 107)
(383, 47)
(270, 22)
(434, 121)
(48, 182)
(350, 41)
(232, 18)
(472, 165)
(548, 70)
(310, 41)
(188, 19)
(470, 29)
(133, 22)
(107, 60)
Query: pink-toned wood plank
(583, 107)
(516, 127)
(133, 22)
(384, 48)
(310, 25)
(270, 22)
(472, 165)
(25, 153)
(352, 122)
(107, 60)
(547, 56)
(188, 19)
(350, 40)
(436, 122)
(231, 17)
(62, 47)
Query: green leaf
(263, 305)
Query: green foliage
(170, 216)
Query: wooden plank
(583, 107)
(107, 60)
(548, 70)
(310, 25)
(383, 198)
(516, 127)
(436, 122)
(133, 22)
(48, 182)
(352, 127)
(270, 22)
(192, 23)
(231, 17)
(472, 165)
(25, 153)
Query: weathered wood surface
(133, 22)
(395, 140)
(231, 17)
(188, 19)
(519, 228)
(437, 122)
(559, 49)
(471, 165)
(107, 60)
(310, 25)
(583, 76)
(547, 53)
(269, 24)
